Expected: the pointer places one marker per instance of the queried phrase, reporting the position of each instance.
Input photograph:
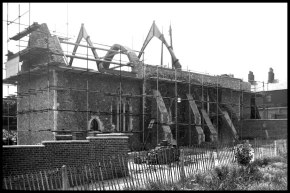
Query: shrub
(243, 154)
(222, 172)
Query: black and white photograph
(144, 96)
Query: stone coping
(110, 136)
(114, 134)
(264, 119)
(66, 141)
(21, 146)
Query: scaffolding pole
(157, 117)
(143, 103)
(189, 110)
(217, 106)
(202, 99)
(88, 126)
(120, 102)
(176, 102)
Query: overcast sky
(216, 38)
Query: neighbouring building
(273, 104)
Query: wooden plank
(46, 180)
(106, 176)
(87, 178)
(94, 176)
(71, 176)
(16, 187)
(131, 173)
(41, 178)
(32, 179)
(99, 180)
(64, 177)
(90, 177)
(37, 179)
(23, 180)
(101, 175)
(28, 181)
(124, 166)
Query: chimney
(271, 76)
(251, 77)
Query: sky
(213, 38)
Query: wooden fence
(136, 171)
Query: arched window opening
(94, 125)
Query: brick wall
(24, 159)
(30, 119)
(99, 103)
(256, 128)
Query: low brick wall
(260, 128)
(24, 159)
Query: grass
(262, 174)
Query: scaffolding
(204, 102)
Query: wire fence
(163, 164)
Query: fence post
(275, 148)
(65, 184)
(182, 165)
(215, 158)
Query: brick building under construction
(57, 100)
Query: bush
(243, 154)
(222, 172)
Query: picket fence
(136, 170)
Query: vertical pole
(242, 116)
(189, 110)
(263, 101)
(8, 121)
(65, 184)
(207, 100)
(120, 95)
(275, 148)
(231, 103)
(48, 85)
(157, 104)
(118, 117)
(143, 100)
(176, 121)
(19, 31)
(162, 50)
(202, 102)
(217, 106)
(252, 104)
(182, 173)
(124, 116)
(67, 27)
(29, 76)
(111, 113)
(7, 33)
(87, 88)
(170, 33)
